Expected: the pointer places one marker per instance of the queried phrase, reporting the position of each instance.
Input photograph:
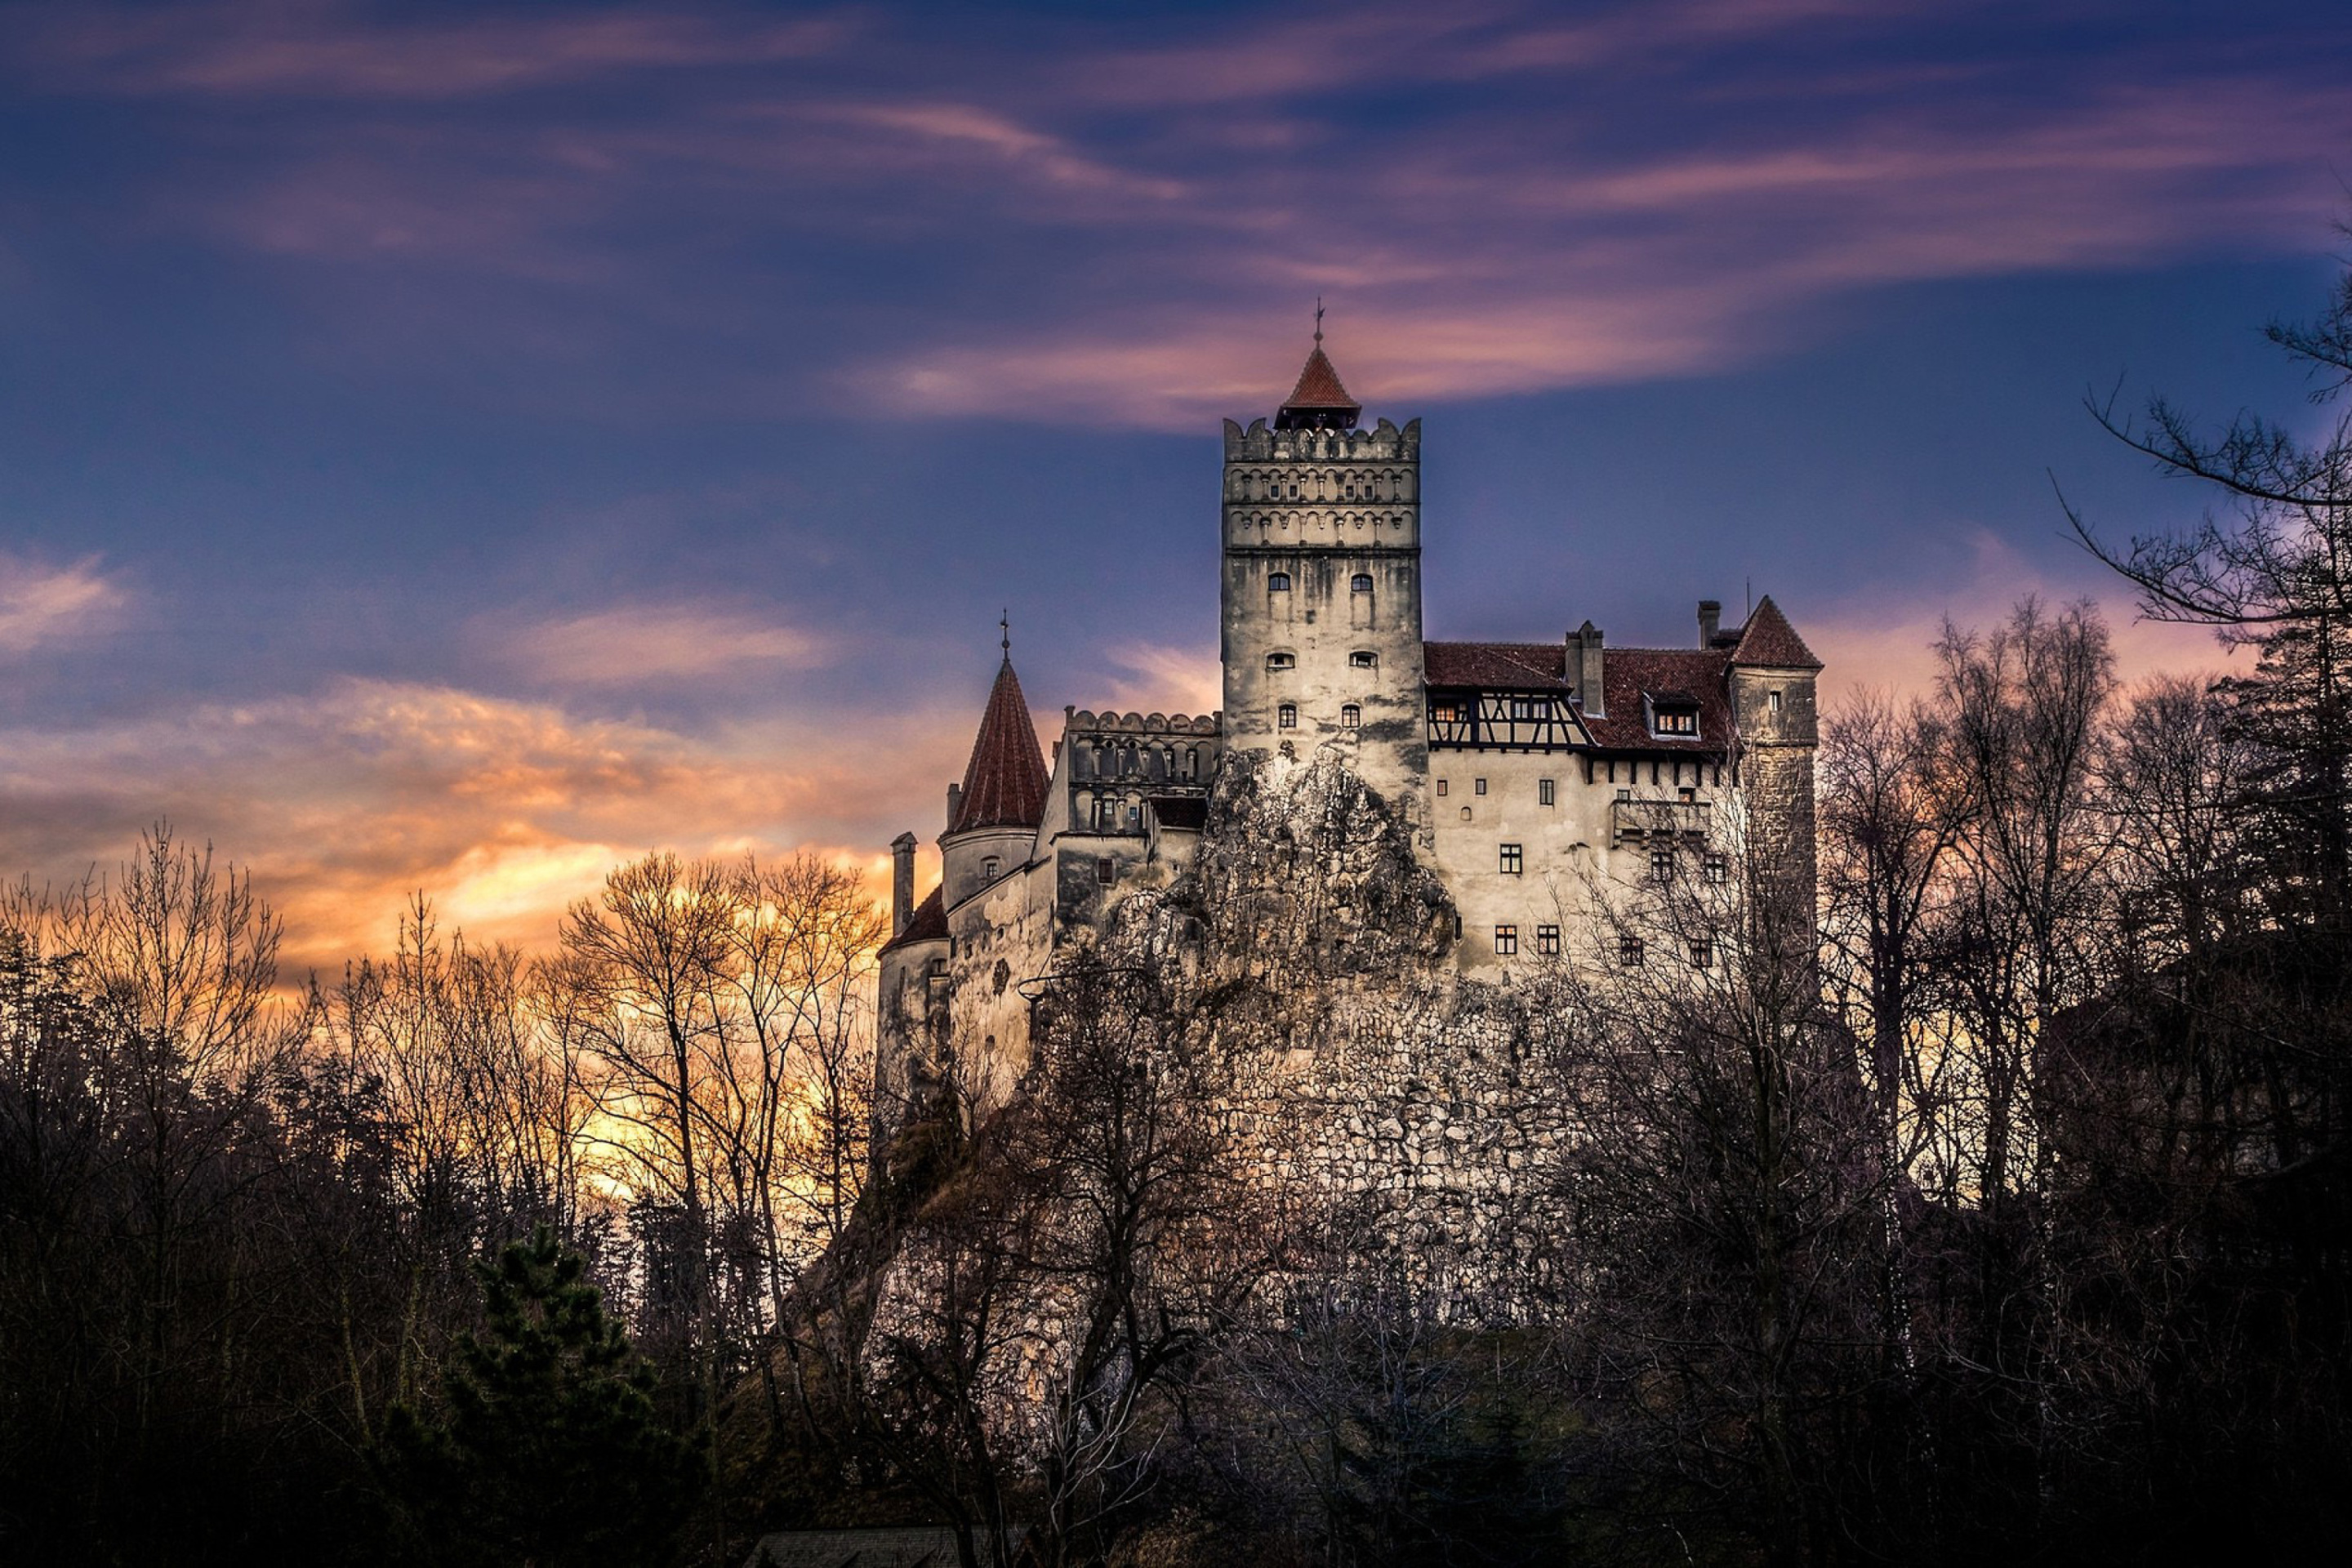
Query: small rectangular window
(1350, 716)
(1440, 789)
(1548, 939)
(1360, 660)
(1507, 940)
(988, 868)
(1105, 869)
(1687, 796)
(1629, 951)
(1477, 786)
(1718, 870)
(1281, 661)
(1277, 582)
(1543, 791)
(1287, 717)
(1772, 701)
(1511, 860)
(1702, 953)
(1662, 865)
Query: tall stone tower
(1322, 587)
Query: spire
(1319, 401)
(1004, 783)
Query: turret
(996, 809)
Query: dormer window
(1281, 661)
(1363, 658)
(1673, 714)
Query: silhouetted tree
(546, 1448)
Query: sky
(456, 448)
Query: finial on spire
(1318, 321)
(1004, 625)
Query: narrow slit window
(1772, 701)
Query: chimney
(902, 882)
(955, 805)
(1584, 669)
(1710, 617)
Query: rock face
(1392, 1105)
(1305, 874)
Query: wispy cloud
(334, 47)
(40, 604)
(630, 644)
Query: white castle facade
(1529, 773)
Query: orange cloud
(342, 802)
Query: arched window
(1363, 658)
(1362, 584)
(1350, 717)
(1281, 661)
(1191, 762)
(1286, 716)
(1277, 582)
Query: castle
(1529, 774)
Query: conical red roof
(1004, 783)
(1319, 386)
(1769, 639)
(1319, 401)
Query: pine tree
(547, 1450)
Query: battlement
(1142, 723)
(1383, 443)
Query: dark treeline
(1996, 1204)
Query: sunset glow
(457, 449)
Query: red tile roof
(1319, 386)
(1004, 783)
(928, 923)
(1627, 674)
(1769, 639)
(1525, 665)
